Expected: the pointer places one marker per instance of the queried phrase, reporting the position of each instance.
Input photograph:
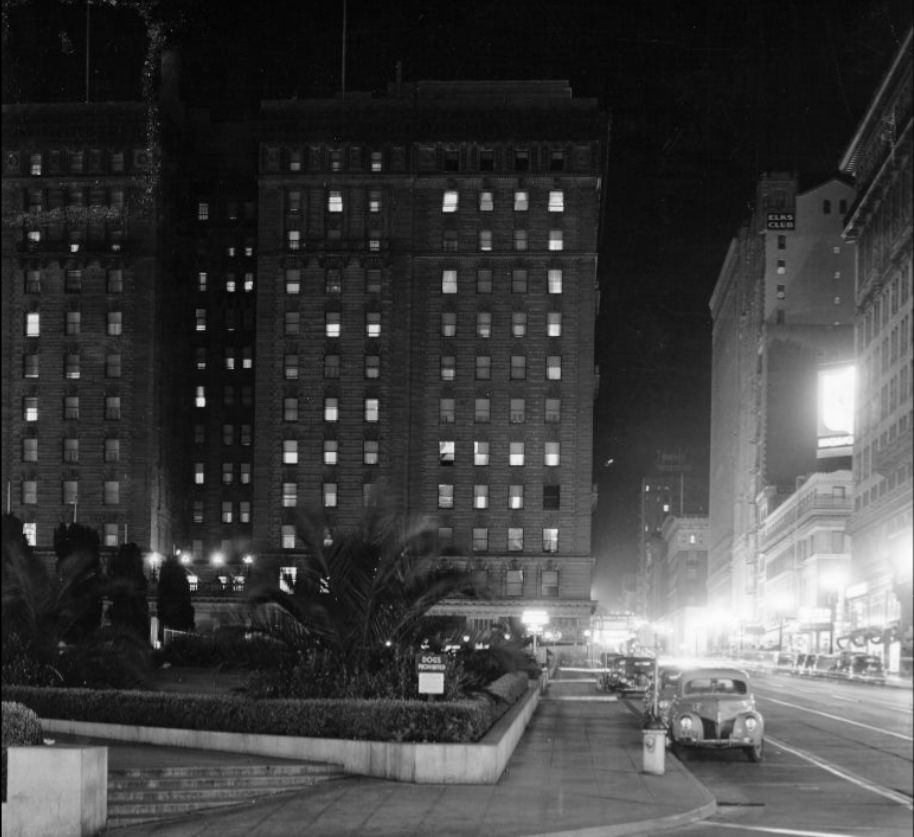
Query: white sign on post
(431, 674)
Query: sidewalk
(577, 770)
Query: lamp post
(534, 620)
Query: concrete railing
(56, 791)
(481, 762)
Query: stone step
(133, 783)
(211, 792)
(228, 771)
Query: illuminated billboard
(835, 433)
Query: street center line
(791, 831)
(841, 773)
(839, 718)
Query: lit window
(202, 211)
(332, 324)
(287, 539)
(553, 411)
(372, 366)
(71, 366)
(230, 285)
(556, 201)
(480, 539)
(112, 450)
(445, 496)
(30, 449)
(480, 453)
(552, 454)
(483, 367)
(33, 324)
(293, 200)
(244, 515)
(71, 407)
(331, 452)
(377, 161)
(113, 366)
(331, 409)
(483, 324)
(335, 201)
(554, 368)
(244, 473)
(781, 291)
(373, 281)
(200, 396)
(480, 496)
(336, 159)
(110, 534)
(521, 201)
(70, 450)
(29, 492)
(289, 452)
(515, 496)
(30, 533)
(550, 540)
(30, 365)
(519, 324)
(228, 473)
(293, 239)
(516, 453)
(245, 435)
(781, 266)
(115, 323)
(486, 202)
(112, 492)
(289, 495)
(446, 452)
(517, 411)
(34, 237)
(373, 324)
(202, 280)
(30, 409)
(554, 324)
(519, 280)
(520, 239)
(556, 240)
(294, 160)
(449, 201)
(554, 280)
(370, 452)
(550, 578)
(448, 281)
(333, 282)
(226, 511)
(199, 474)
(230, 252)
(290, 367)
(290, 409)
(200, 319)
(113, 407)
(483, 411)
(485, 240)
(484, 281)
(35, 165)
(73, 323)
(329, 490)
(372, 409)
(518, 367)
(448, 324)
(515, 578)
(374, 201)
(448, 368)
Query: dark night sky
(704, 96)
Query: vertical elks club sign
(780, 221)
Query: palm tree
(367, 588)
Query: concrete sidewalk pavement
(577, 770)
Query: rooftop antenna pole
(87, 51)
(343, 73)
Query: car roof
(709, 673)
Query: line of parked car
(846, 665)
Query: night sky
(704, 96)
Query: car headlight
(685, 723)
(751, 724)
(664, 704)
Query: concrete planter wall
(56, 791)
(480, 763)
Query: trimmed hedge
(21, 727)
(376, 720)
(509, 687)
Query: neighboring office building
(879, 160)
(782, 310)
(804, 558)
(81, 300)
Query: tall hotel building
(370, 299)
(81, 352)
(879, 157)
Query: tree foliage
(127, 587)
(78, 561)
(173, 602)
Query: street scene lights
(781, 606)
(833, 583)
(534, 621)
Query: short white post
(653, 751)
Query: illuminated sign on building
(780, 221)
(835, 431)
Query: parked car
(805, 664)
(668, 677)
(865, 668)
(785, 661)
(628, 675)
(826, 665)
(714, 708)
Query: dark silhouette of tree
(77, 549)
(127, 588)
(173, 601)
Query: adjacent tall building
(337, 303)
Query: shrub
(229, 649)
(21, 727)
(509, 687)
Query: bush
(229, 649)
(509, 688)
(376, 720)
(21, 727)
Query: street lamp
(534, 620)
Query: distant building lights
(217, 559)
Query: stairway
(138, 795)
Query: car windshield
(715, 685)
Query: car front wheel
(755, 752)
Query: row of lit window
(228, 472)
(518, 324)
(333, 281)
(70, 453)
(71, 406)
(245, 396)
(72, 365)
(227, 512)
(232, 283)
(111, 492)
(519, 280)
(75, 240)
(79, 162)
(375, 159)
(110, 533)
(74, 281)
(73, 323)
(450, 242)
(450, 201)
(517, 370)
